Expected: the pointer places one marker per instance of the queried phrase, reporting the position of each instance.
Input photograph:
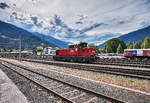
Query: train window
(72, 47)
(83, 45)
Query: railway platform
(9, 93)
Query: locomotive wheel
(71, 59)
(84, 60)
(74, 59)
(89, 61)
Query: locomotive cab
(72, 46)
(77, 46)
(82, 45)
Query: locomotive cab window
(83, 45)
(72, 47)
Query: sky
(93, 21)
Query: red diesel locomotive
(76, 53)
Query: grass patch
(121, 79)
(132, 81)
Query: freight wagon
(137, 53)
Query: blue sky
(93, 21)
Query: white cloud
(119, 16)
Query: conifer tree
(146, 43)
(138, 45)
(130, 45)
(119, 49)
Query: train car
(14, 54)
(76, 53)
(146, 52)
(143, 53)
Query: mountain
(133, 36)
(9, 37)
(136, 35)
(102, 45)
(52, 40)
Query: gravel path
(33, 92)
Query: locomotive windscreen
(83, 45)
(71, 46)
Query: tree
(93, 45)
(146, 43)
(101, 51)
(143, 45)
(138, 45)
(112, 45)
(39, 49)
(123, 45)
(34, 50)
(61, 47)
(109, 49)
(4, 50)
(130, 45)
(119, 49)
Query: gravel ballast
(99, 87)
(57, 86)
(125, 94)
(33, 92)
(134, 83)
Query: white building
(49, 51)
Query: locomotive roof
(77, 43)
(71, 44)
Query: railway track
(68, 92)
(106, 61)
(142, 73)
(123, 61)
(112, 61)
(118, 62)
(125, 64)
(114, 66)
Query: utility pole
(43, 39)
(133, 45)
(19, 46)
(43, 45)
